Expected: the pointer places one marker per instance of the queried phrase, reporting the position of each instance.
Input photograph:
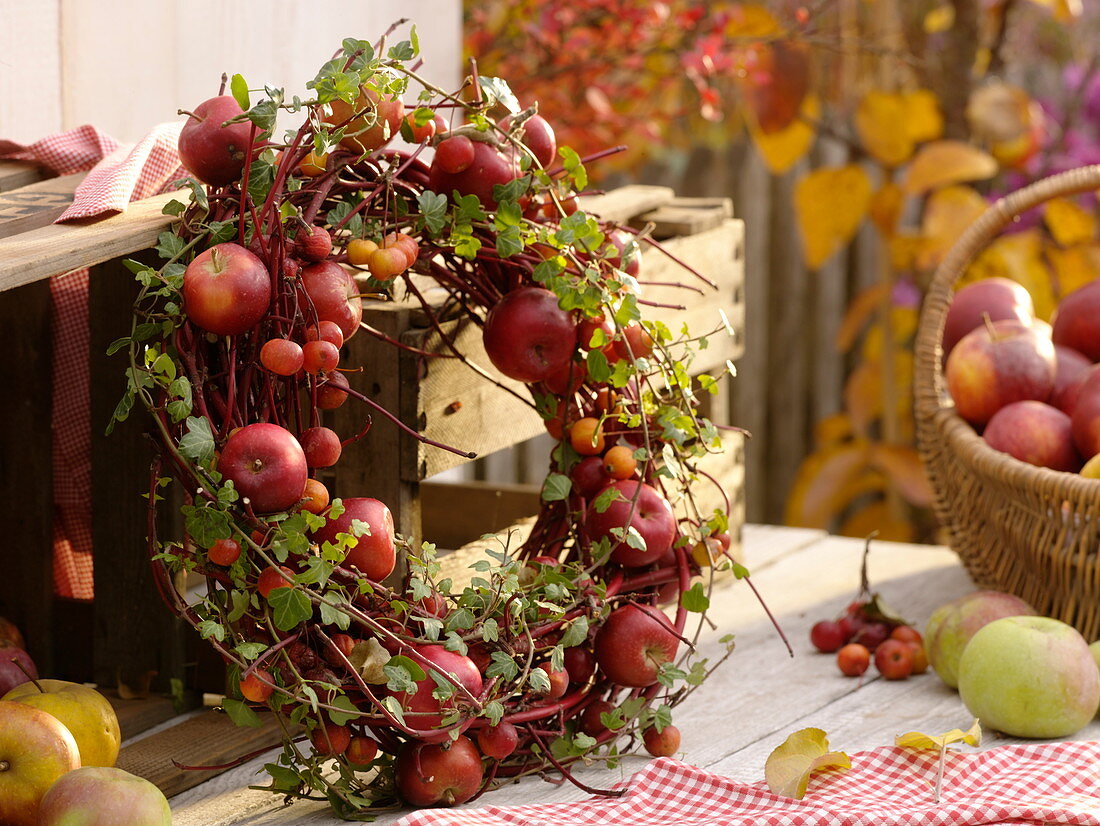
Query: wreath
(411, 688)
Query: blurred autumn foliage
(940, 105)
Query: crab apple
(580, 662)
(267, 466)
(361, 751)
(827, 636)
(321, 446)
(314, 245)
(454, 155)
(374, 552)
(425, 711)
(272, 578)
(586, 436)
(211, 150)
(871, 635)
(258, 686)
(332, 391)
(527, 336)
(850, 626)
(568, 380)
(663, 743)
(330, 739)
(488, 168)
(359, 251)
(446, 774)
(651, 516)
(588, 476)
(326, 331)
(498, 741)
(920, 657)
(224, 551)
(313, 164)
(639, 340)
(537, 135)
(623, 253)
(853, 659)
(588, 327)
(894, 659)
(424, 132)
(338, 648)
(906, 633)
(406, 243)
(559, 682)
(226, 290)
(633, 643)
(282, 356)
(315, 496)
(386, 263)
(368, 122)
(320, 356)
(591, 722)
(335, 295)
(619, 462)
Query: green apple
(1030, 677)
(951, 626)
(84, 711)
(104, 797)
(35, 750)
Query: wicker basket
(1027, 530)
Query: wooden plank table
(756, 699)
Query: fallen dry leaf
(368, 657)
(788, 768)
(920, 740)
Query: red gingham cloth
(115, 179)
(1022, 784)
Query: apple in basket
(1070, 372)
(1077, 322)
(1086, 416)
(998, 298)
(1036, 433)
(104, 797)
(1030, 677)
(952, 626)
(11, 674)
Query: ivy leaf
(198, 442)
(240, 713)
(920, 740)
(350, 711)
(169, 245)
(694, 599)
(556, 487)
(497, 89)
(494, 711)
(290, 607)
(239, 88)
(576, 633)
(250, 650)
(502, 666)
(788, 768)
(604, 501)
(433, 208)
(538, 679)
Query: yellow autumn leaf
(886, 206)
(940, 19)
(789, 767)
(830, 204)
(832, 430)
(920, 740)
(904, 469)
(860, 310)
(826, 481)
(875, 517)
(1074, 267)
(783, 149)
(1069, 222)
(947, 214)
(880, 124)
(904, 248)
(751, 21)
(947, 162)
(923, 118)
(903, 324)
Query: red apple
(1077, 322)
(423, 711)
(651, 516)
(35, 750)
(375, 553)
(335, 295)
(580, 662)
(592, 718)
(226, 290)
(997, 365)
(314, 245)
(559, 682)
(104, 797)
(1086, 416)
(633, 643)
(10, 635)
(999, 298)
(361, 751)
(11, 674)
(663, 743)
(212, 152)
(1070, 371)
(446, 774)
(528, 337)
(322, 447)
(537, 135)
(489, 167)
(1035, 433)
(498, 741)
(267, 465)
(588, 476)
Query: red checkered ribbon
(117, 177)
(1022, 784)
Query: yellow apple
(35, 750)
(85, 713)
(1091, 470)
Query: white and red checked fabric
(1020, 784)
(117, 177)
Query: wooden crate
(125, 633)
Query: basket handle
(984, 230)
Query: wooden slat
(16, 174)
(57, 248)
(136, 716)
(679, 218)
(454, 514)
(208, 739)
(622, 204)
(36, 205)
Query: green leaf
(169, 245)
(350, 711)
(289, 607)
(198, 442)
(240, 713)
(250, 650)
(576, 633)
(402, 51)
(695, 599)
(789, 767)
(239, 88)
(433, 208)
(509, 242)
(206, 525)
(556, 487)
(604, 501)
(502, 665)
(334, 616)
(402, 674)
(539, 680)
(494, 711)
(598, 369)
(572, 163)
(173, 207)
(496, 89)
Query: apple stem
(23, 668)
(988, 322)
(189, 114)
(4, 765)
